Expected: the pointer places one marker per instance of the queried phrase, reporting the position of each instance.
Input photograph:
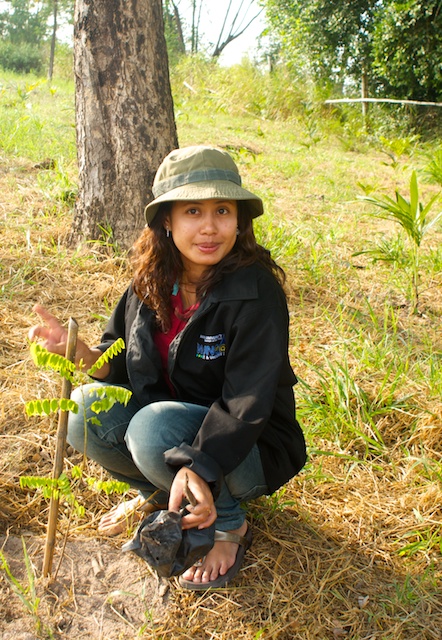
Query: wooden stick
(189, 495)
(60, 448)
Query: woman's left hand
(203, 513)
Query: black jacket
(232, 357)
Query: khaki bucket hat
(199, 173)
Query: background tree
(173, 29)
(236, 17)
(26, 28)
(53, 38)
(236, 20)
(24, 21)
(397, 44)
(195, 26)
(407, 50)
(332, 36)
(124, 114)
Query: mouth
(208, 247)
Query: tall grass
(37, 118)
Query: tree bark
(124, 115)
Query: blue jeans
(130, 443)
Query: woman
(205, 324)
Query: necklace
(180, 312)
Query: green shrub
(244, 88)
(21, 58)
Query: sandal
(244, 543)
(124, 515)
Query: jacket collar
(239, 285)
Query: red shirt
(178, 318)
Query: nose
(208, 223)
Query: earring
(167, 233)
(237, 232)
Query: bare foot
(125, 515)
(217, 562)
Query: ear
(166, 223)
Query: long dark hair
(157, 263)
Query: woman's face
(204, 232)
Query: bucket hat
(199, 173)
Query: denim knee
(155, 429)
(76, 421)
(147, 442)
(86, 425)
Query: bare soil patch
(94, 593)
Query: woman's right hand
(53, 336)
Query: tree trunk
(364, 93)
(179, 28)
(53, 40)
(124, 115)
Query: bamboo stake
(66, 388)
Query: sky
(212, 17)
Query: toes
(189, 574)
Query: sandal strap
(228, 536)
(150, 507)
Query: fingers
(201, 516)
(47, 317)
(203, 513)
(52, 334)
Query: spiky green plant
(412, 216)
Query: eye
(192, 210)
(223, 210)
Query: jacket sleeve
(116, 328)
(257, 365)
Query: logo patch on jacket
(211, 347)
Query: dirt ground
(96, 592)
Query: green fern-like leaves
(53, 488)
(50, 405)
(108, 486)
(47, 360)
(116, 348)
(109, 395)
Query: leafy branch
(47, 360)
(116, 348)
(47, 406)
(54, 488)
(59, 485)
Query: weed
(412, 216)
(390, 250)
(395, 148)
(279, 500)
(433, 170)
(422, 540)
(26, 593)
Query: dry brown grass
(326, 559)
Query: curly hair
(157, 263)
